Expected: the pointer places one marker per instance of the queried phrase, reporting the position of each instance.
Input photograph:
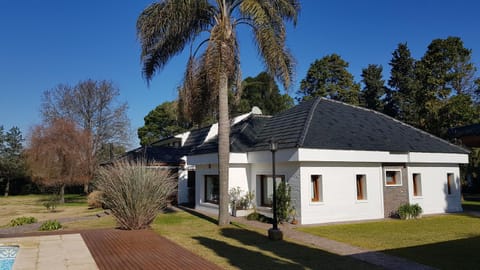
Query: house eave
(305, 154)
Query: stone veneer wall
(394, 196)
(295, 194)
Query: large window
(393, 178)
(211, 189)
(417, 184)
(450, 183)
(266, 189)
(316, 188)
(361, 183)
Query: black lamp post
(274, 233)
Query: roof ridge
(303, 135)
(400, 122)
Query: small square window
(417, 184)
(393, 178)
(316, 188)
(361, 183)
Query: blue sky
(45, 43)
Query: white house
(342, 162)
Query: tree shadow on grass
(199, 215)
(455, 254)
(258, 252)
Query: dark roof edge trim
(306, 127)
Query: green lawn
(444, 241)
(471, 202)
(32, 205)
(236, 247)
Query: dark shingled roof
(157, 154)
(326, 124)
(470, 130)
(167, 154)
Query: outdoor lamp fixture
(274, 233)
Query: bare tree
(93, 106)
(58, 153)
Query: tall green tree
(400, 99)
(262, 91)
(162, 122)
(374, 87)
(329, 77)
(444, 72)
(166, 27)
(12, 162)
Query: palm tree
(166, 27)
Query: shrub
(52, 202)
(22, 221)
(94, 199)
(50, 225)
(409, 211)
(134, 193)
(239, 202)
(284, 206)
(259, 217)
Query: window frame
(450, 183)
(264, 177)
(316, 189)
(417, 189)
(361, 194)
(397, 184)
(206, 190)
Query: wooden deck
(144, 249)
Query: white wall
(435, 198)
(238, 177)
(182, 196)
(339, 192)
(339, 186)
(286, 169)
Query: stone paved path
(373, 257)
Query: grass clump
(94, 199)
(22, 221)
(52, 202)
(409, 211)
(134, 193)
(50, 225)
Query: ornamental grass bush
(94, 199)
(409, 211)
(134, 193)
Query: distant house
(468, 135)
(342, 162)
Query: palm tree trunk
(223, 150)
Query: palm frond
(165, 28)
(267, 18)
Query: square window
(316, 188)
(393, 178)
(361, 184)
(417, 184)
